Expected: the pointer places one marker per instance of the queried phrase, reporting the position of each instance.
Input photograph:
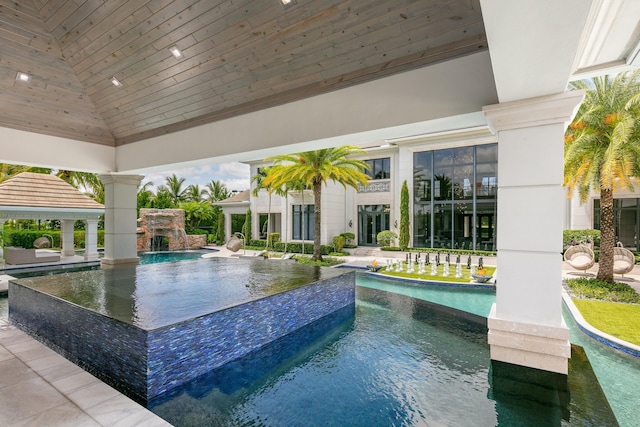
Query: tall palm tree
(194, 193)
(259, 180)
(602, 150)
(216, 191)
(315, 168)
(144, 196)
(173, 184)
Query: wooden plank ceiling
(239, 56)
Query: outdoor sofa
(14, 256)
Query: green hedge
(25, 238)
(453, 251)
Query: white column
(66, 237)
(120, 198)
(91, 239)
(525, 325)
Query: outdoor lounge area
(17, 256)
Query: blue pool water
(171, 256)
(377, 337)
(400, 361)
(471, 300)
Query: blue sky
(235, 176)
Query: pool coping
(423, 282)
(597, 334)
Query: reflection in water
(155, 295)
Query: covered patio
(44, 197)
(251, 82)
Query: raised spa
(146, 329)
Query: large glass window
(626, 221)
(379, 168)
(302, 222)
(449, 184)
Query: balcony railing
(375, 187)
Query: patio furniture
(16, 256)
(580, 257)
(623, 260)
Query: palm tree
(216, 191)
(194, 193)
(602, 150)
(315, 168)
(174, 187)
(145, 196)
(259, 179)
(89, 182)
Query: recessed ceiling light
(114, 81)
(287, 3)
(176, 52)
(23, 77)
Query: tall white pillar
(525, 325)
(66, 237)
(120, 199)
(91, 239)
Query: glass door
(372, 219)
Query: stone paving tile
(77, 381)
(26, 399)
(92, 395)
(45, 389)
(61, 370)
(65, 415)
(14, 371)
(122, 411)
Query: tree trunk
(607, 236)
(317, 193)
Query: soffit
(239, 57)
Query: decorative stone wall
(164, 223)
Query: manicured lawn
(620, 320)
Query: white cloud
(235, 176)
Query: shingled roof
(41, 193)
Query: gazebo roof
(41, 196)
(242, 197)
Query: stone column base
(528, 344)
(109, 262)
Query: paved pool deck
(40, 387)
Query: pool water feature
(146, 329)
(399, 361)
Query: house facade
(452, 181)
(626, 220)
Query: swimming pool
(618, 374)
(146, 329)
(398, 361)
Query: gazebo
(44, 197)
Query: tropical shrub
(591, 288)
(272, 238)
(338, 243)
(348, 239)
(575, 237)
(384, 238)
